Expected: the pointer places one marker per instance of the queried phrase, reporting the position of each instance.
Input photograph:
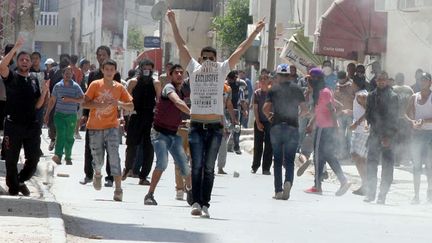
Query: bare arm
(51, 104)
(179, 103)
(78, 100)
(267, 110)
(158, 88)
(230, 109)
(242, 48)
(185, 56)
(4, 64)
(128, 106)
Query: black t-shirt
(95, 75)
(285, 98)
(22, 95)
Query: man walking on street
(21, 128)
(103, 53)
(382, 112)
(360, 133)
(103, 97)
(145, 91)
(282, 110)
(262, 128)
(206, 81)
(420, 116)
(167, 119)
(324, 119)
(66, 97)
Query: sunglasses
(209, 58)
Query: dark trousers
(15, 137)
(204, 146)
(324, 151)
(88, 161)
(284, 139)
(2, 113)
(51, 126)
(376, 152)
(139, 128)
(262, 140)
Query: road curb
(55, 215)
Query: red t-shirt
(323, 115)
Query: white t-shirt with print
(206, 84)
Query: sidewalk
(37, 218)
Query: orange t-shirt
(107, 117)
(78, 74)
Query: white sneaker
(205, 212)
(196, 209)
(179, 195)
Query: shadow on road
(94, 229)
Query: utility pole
(26, 22)
(272, 36)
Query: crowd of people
(198, 106)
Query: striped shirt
(71, 91)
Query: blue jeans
(162, 143)
(284, 140)
(204, 145)
(101, 140)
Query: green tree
(232, 27)
(135, 39)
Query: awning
(351, 29)
(298, 51)
(154, 55)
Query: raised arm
(242, 48)
(4, 64)
(185, 56)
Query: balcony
(47, 19)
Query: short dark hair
(341, 75)
(131, 73)
(174, 67)
(22, 53)
(146, 62)
(209, 49)
(65, 60)
(360, 82)
(109, 62)
(74, 59)
(83, 62)
(8, 48)
(232, 74)
(104, 48)
(265, 70)
(37, 54)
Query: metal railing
(48, 19)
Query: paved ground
(242, 210)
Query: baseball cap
(316, 72)
(282, 69)
(426, 76)
(49, 61)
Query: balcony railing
(48, 19)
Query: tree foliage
(232, 27)
(135, 39)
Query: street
(242, 210)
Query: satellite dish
(158, 10)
